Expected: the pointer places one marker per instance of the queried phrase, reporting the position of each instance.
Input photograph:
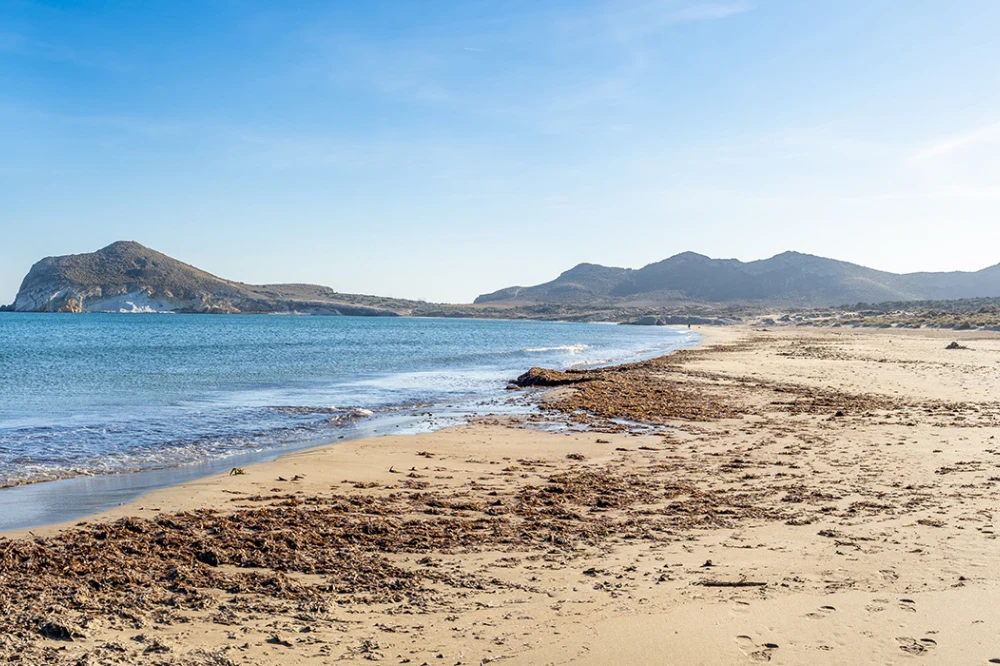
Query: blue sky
(439, 150)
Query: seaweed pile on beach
(673, 388)
(315, 554)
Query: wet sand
(71, 499)
(794, 496)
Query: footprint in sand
(750, 648)
(913, 646)
(741, 607)
(876, 606)
(821, 613)
(908, 605)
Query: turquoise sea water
(84, 395)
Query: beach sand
(807, 496)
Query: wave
(336, 413)
(316, 379)
(572, 349)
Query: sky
(439, 150)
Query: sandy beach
(795, 496)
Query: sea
(96, 409)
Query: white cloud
(637, 21)
(28, 47)
(593, 48)
(949, 145)
(710, 11)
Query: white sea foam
(572, 349)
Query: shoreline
(60, 499)
(829, 501)
(101, 493)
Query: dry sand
(806, 497)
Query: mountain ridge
(126, 276)
(789, 279)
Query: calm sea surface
(84, 395)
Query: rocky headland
(128, 277)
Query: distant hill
(128, 277)
(790, 279)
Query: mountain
(128, 277)
(582, 283)
(790, 279)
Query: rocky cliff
(128, 277)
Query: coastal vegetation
(959, 314)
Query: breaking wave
(572, 349)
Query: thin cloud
(957, 142)
(638, 21)
(711, 11)
(943, 193)
(121, 124)
(556, 36)
(33, 48)
(28, 47)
